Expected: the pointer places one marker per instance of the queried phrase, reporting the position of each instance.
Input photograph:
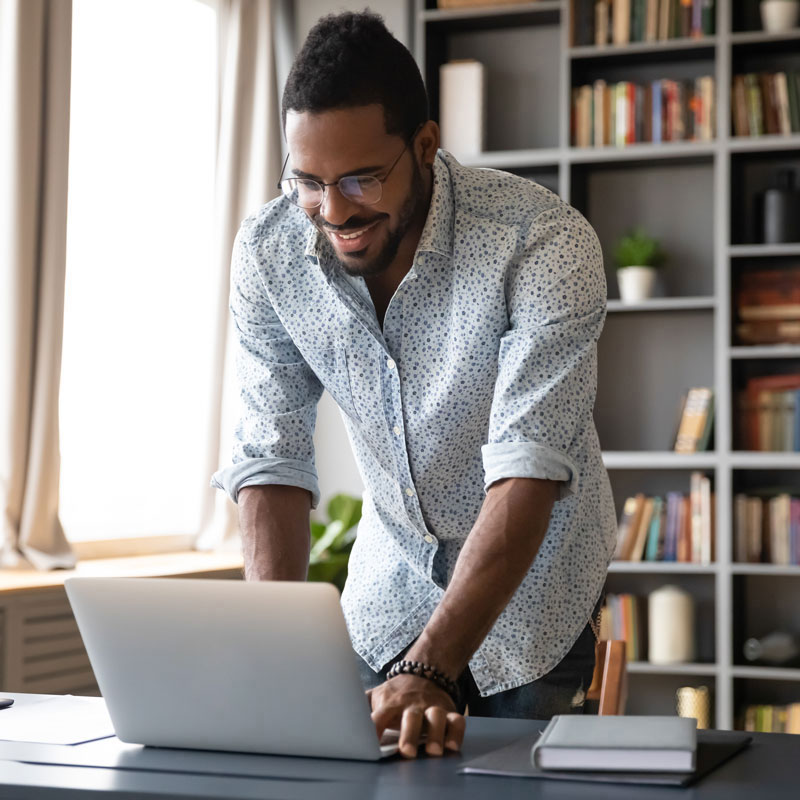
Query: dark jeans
(561, 691)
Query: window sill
(181, 564)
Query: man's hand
(417, 706)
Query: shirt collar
(437, 233)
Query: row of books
(766, 102)
(772, 719)
(625, 113)
(766, 529)
(769, 413)
(768, 306)
(677, 527)
(602, 22)
(623, 617)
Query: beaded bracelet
(404, 667)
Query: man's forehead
(348, 135)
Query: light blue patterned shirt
(485, 369)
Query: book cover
(672, 523)
(706, 521)
(695, 419)
(684, 549)
(739, 107)
(628, 526)
(637, 551)
(696, 521)
(621, 21)
(782, 99)
(740, 528)
(655, 530)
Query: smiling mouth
(351, 241)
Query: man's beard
(411, 208)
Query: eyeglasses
(365, 190)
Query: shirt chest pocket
(334, 374)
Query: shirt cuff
(529, 460)
(265, 472)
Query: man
(453, 315)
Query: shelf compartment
(488, 17)
(656, 693)
(763, 603)
(751, 174)
(641, 413)
(699, 585)
(522, 61)
(664, 304)
(641, 191)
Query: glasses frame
(323, 186)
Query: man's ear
(427, 143)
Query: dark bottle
(782, 210)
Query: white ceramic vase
(780, 15)
(636, 284)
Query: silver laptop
(226, 665)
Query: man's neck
(383, 286)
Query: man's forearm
(495, 558)
(275, 532)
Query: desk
(768, 770)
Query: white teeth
(354, 235)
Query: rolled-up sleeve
(279, 393)
(547, 363)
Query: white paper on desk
(60, 720)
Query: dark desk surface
(769, 769)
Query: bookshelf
(698, 198)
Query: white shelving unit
(698, 198)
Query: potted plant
(780, 15)
(638, 256)
(332, 541)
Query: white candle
(671, 626)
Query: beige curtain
(35, 42)
(248, 164)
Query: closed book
(602, 20)
(782, 97)
(462, 107)
(741, 125)
(694, 427)
(637, 551)
(655, 531)
(621, 21)
(611, 743)
(628, 526)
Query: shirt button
(410, 492)
(428, 538)
(390, 363)
(396, 430)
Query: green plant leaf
(345, 508)
(638, 249)
(325, 542)
(317, 530)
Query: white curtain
(247, 170)
(35, 52)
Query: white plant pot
(636, 284)
(779, 15)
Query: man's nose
(335, 208)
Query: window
(140, 306)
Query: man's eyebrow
(360, 171)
